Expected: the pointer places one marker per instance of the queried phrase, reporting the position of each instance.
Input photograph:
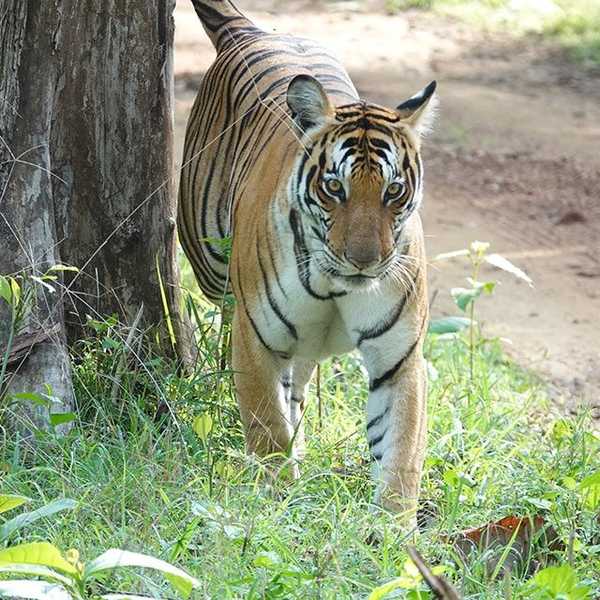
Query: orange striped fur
(319, 191)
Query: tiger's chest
(298, 314)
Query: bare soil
(514, 161)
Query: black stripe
(243, 303)
(274, 267)
(375, 420)
(290, 326)
(375, 441)
(388, 323)
(236, 36)
(302, 255)
(381, 117)
(379, 143)
(349, 143)
(379, 381)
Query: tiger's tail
(222, 21)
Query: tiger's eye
(333, 186)
(394, 189)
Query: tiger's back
(239, 113)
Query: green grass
(149, 483)
(574, 24)
(578, 28)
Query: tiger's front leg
(397, 416)
(259, 377)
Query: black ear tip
(419, 99)
(431, 87)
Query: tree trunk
(33, 355)
(114, 147)
(86, 94)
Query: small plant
(12, 526)
(19, 292)
(465, 297)
(18, 299)
(410, 579)
(61, 577)
(558, 583)
(222, 245)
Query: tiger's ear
(419, 111)
(308, 102)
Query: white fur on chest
(319, 327)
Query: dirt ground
(514, 161)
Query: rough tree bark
(28, 240)
(114, 147)
(86, 91)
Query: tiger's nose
(363, 258)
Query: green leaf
(539, 503)
(500, 262)
(447, 255)
(34, 590)
(448, 325)
(39, 280)
(561, 582)
(15, 289)
(591, 496)
(109, 344)
(32, 397)
(60, 418)
(202, 426)
(9, 501)
(383, 590)
(589, 481)
(37, 553)
(35, 570)
(5, 291)
(267, 560)
(486, 287)
(8, 528)
(115, 558)
(63, 268)
(464, 296)
(561, 430)
(127, 597)
(556, 579)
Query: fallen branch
(439, 586)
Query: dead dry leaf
(510, 543)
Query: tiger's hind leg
(301, 374)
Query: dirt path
(514, 161)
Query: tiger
(318, 194)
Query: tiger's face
(357, 181)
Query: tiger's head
(358, 179)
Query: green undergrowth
(574, 24)
(156, 463)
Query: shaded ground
(514, 161)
